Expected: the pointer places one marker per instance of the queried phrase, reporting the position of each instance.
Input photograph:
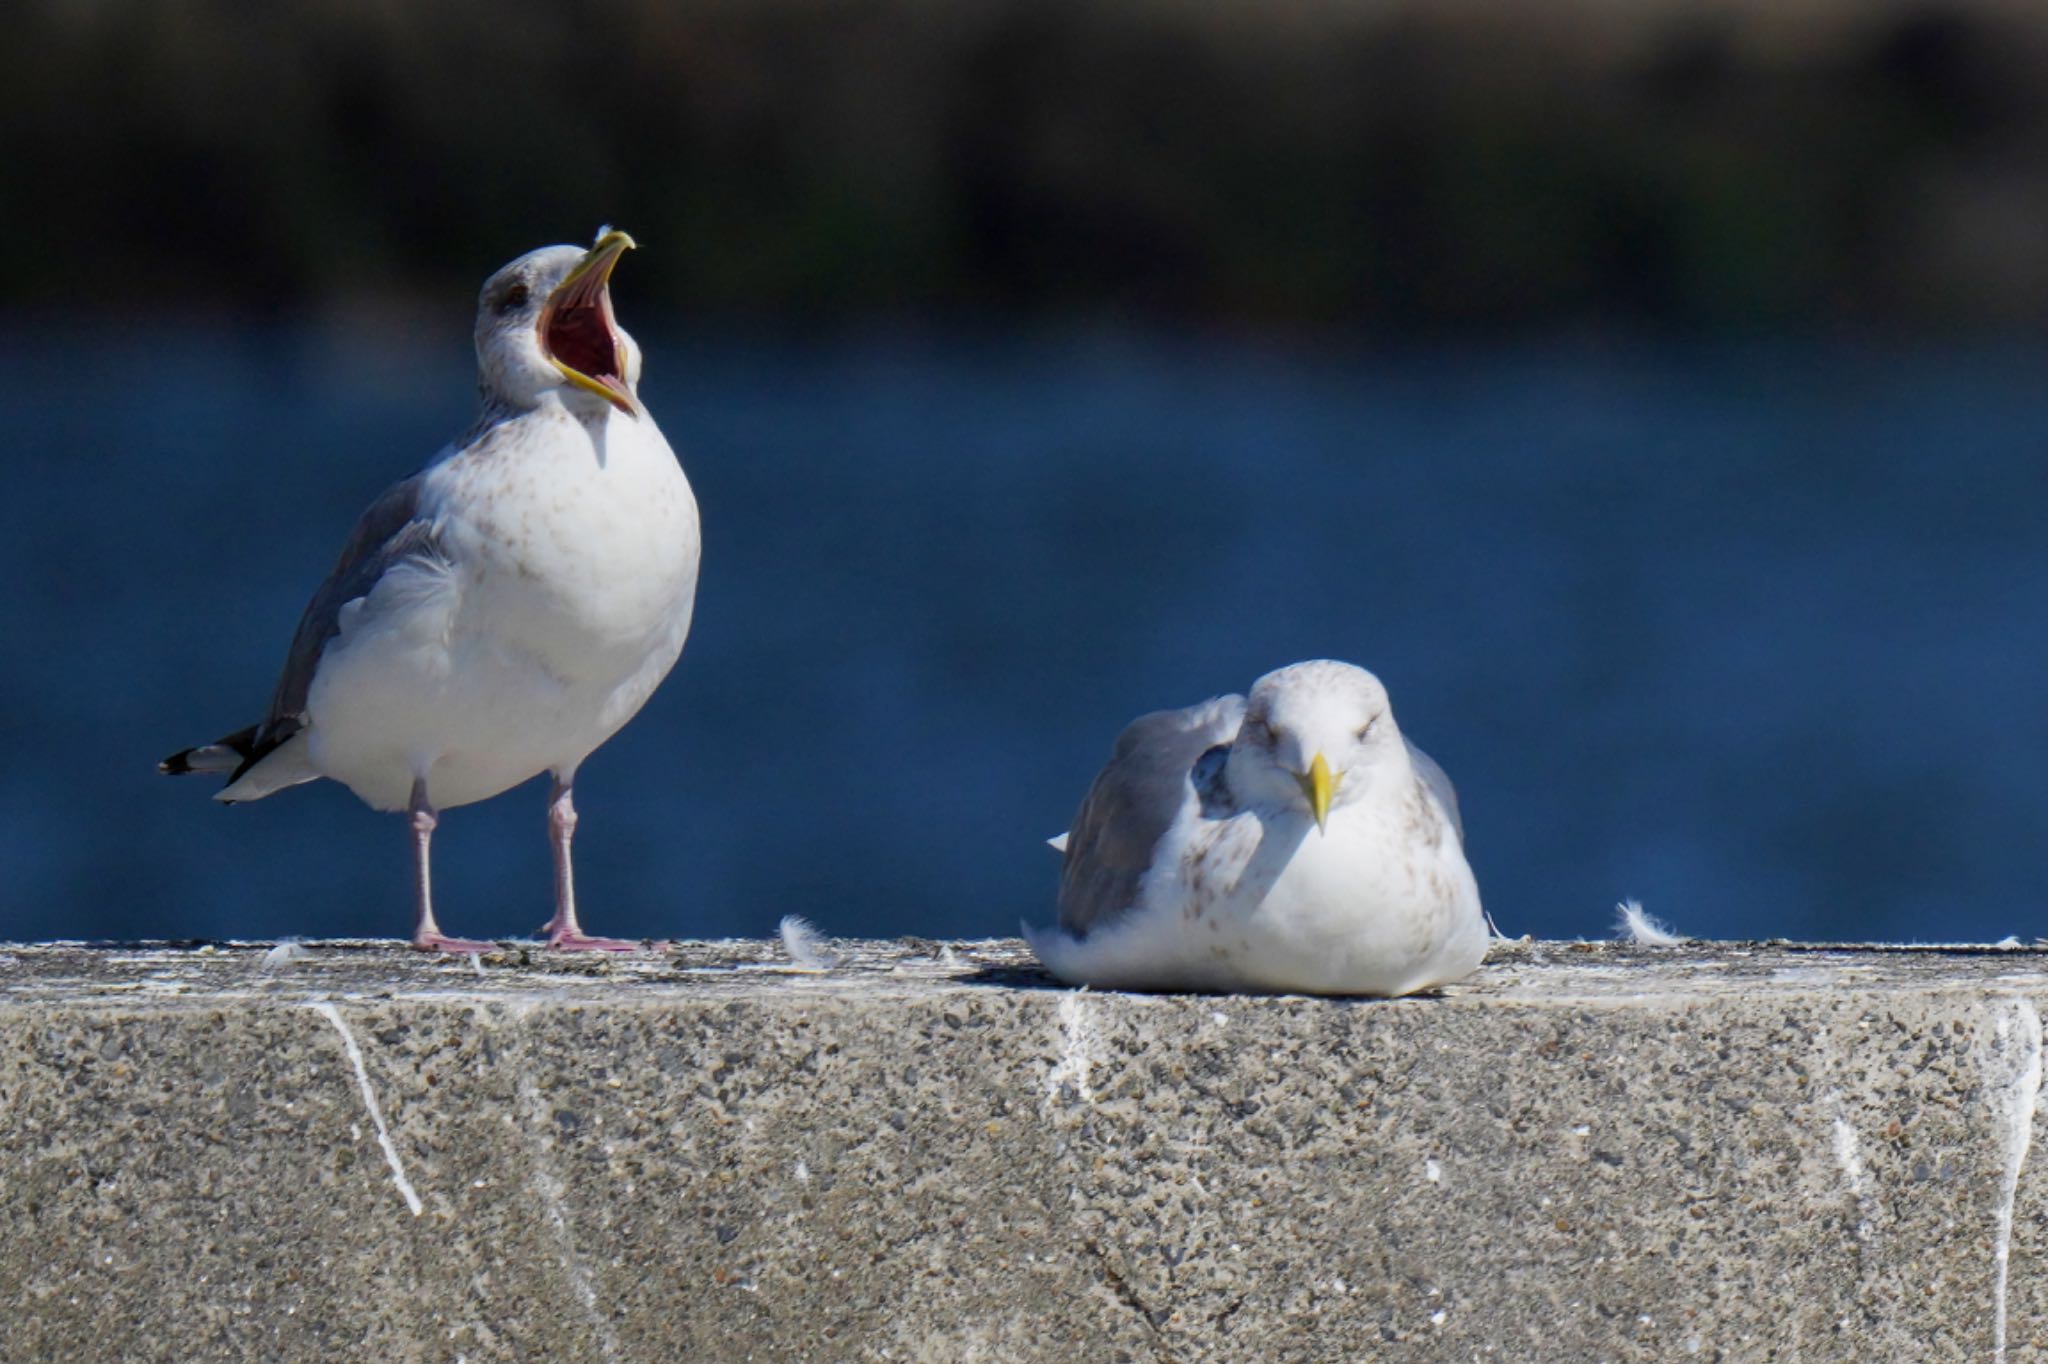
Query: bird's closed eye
(514, 297)
(1366, 728)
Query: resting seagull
(506, 609)
(1289, 841)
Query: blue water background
(1754, 631)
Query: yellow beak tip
(1319, 784)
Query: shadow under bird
(1292, 840)
(506, 609)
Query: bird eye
(514, 297)
(1367, 728)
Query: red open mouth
(578, 334)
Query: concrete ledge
(1732, 1152)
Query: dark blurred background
(1650, 391)
(1398, 164)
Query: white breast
(581, 551)
(570, 574)
(1362, 909)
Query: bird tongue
(579, 334)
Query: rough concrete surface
(1717, 1152)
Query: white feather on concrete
(284, 954)
(805, 945)
(1632, 923)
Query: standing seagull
(506, 609)
(1289, 841)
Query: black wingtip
(237, 753)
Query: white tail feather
(286, 765)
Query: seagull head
(1314, 735)
(544, 325)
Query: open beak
(1319, 783)
(577, 332)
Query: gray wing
(390, 530)
(1439, 785)
(1132, 801)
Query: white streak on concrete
(326, 1009)
(2013, 1077)
(1849, 1155)
(548, 1185)
(1077, 1051)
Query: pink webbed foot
(441, 942)
(575, 940)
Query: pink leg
(427, 935)
(563, 932)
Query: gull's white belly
(1357, 912)
(565, 596)
(1266, 902)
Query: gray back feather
(1130, 805)
(390, 530)
(1438, 783)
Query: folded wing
(1132, 802)
(391, 531)
(1438, 783)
